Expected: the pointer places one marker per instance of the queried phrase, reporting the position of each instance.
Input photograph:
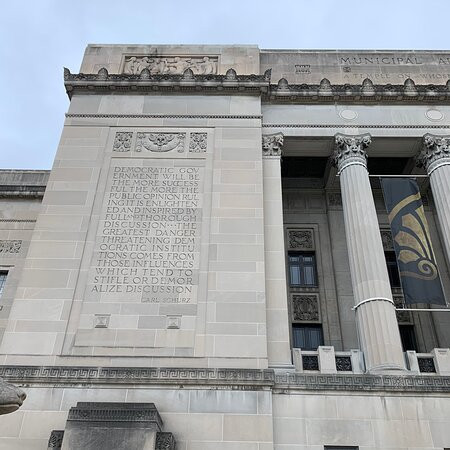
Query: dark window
(339, 447)
(391, 263)
(302, 269)
(3, 275)
(408, 337)
(307, 337)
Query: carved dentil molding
(350, 150)
(435, 152)
(272, 144)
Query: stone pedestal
(118, 426)
(278, 324)
(375, 311)
(435, 158)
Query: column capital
(350, 150)
(272, 144)
(435, 152)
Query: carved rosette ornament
(435, 152)
(272, 144)
(350, 150)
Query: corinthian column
(278, 325)
(375, 311)
(435, 157)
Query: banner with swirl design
(412, 243)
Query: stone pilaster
(435, 158)
(278, 323)
(375, 311)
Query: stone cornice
(232, 83)
(366, 92)
(232, 378)
(350, 150)
(103, 82)
(22, 191)
(435, 152)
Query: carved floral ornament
(160, 142)
(272, 144)
(10, 247)
(299, 239)
(435, 152)
(350, 150)
(305, 307)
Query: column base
(387, 369)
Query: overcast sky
(39, 37)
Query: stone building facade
(208, 264)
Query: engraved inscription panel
(148, 241)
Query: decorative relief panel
(160, 142)
(10, 247)
(300, 239)
(122, 141)
(305, 307)
(272, 144)
(386, 238)
(403, 317)
(200, 65)
(198, 142)
(334, 199)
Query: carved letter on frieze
(305, 308)
(300, 240)
(272, 144)
(160, 142)
(198, 142)
(10, 246)
(172, 65)
(122, 141)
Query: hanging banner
(412, 243)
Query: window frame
(300, 254)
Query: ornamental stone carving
(173, 65)
(10, 247)
(350, 150)
(11, 397)
(300, 240)
(122, 141)
(198, 142)
(403, 317)
(160, 142)
(56, 439)
(334, 199)
(305, 308)
(386, 238)
(272, 144)
(165, 441)
(435, 152)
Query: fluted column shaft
(435, 157)
(375, 311)
(278, 324)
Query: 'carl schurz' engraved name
(148, 241)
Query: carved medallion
(198, 142)
(305, 307)
(160, 142)
(300, 240)
(122, 141)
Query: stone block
(442, 360)
(103, 426)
